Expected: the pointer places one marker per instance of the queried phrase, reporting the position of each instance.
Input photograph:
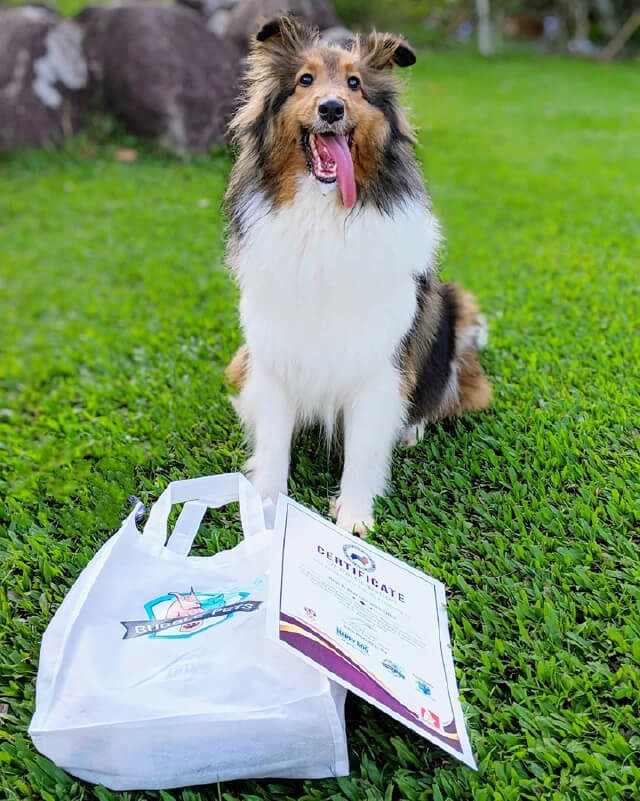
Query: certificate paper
(370, 622)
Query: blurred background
(169, 71)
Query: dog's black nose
(331, 110)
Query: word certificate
(368, 621)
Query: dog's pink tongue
(338, 148)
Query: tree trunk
(607, 14)
(485, 45)
(621, 38)
(581, 17)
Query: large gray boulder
(238, 19)
(162, 72)
(216, 12)
(43, 75)
(338, 35)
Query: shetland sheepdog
(334, 245)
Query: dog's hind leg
(236, 371)
(472, 335)
(443, 376)
(412, 434)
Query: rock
(43, 77)
(216, 12)
(338, 35)
(162, 73)
(242, 21)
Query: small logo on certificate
(396, 670)
(359, 557)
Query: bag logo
(178, 615)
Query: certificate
(369, 622)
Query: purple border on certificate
(303, 638)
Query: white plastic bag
(156, 671)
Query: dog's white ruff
(327, 296)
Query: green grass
(117, 317)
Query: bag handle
(198, 495)
(186, 527)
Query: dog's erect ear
(404, 56)
(383, 50)
(286, 30)
(269, 29)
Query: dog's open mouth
(329, 159)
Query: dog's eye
(353, 82)
(306, 79)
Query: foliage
(117, 317)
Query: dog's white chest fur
(327, 294)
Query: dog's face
(328, 110)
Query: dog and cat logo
(178, 615)
(359, 557)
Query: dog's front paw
(352, 517)
(264, 483)
(267, 489)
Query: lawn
(117, 318)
